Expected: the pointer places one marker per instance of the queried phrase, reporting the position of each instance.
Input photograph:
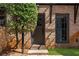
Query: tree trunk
(16, 38)
(22, 40)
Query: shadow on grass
(64, 51)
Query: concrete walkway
(34, 50)
(17, 52)
(38, 52)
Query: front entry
(38, 36)
(62, 28)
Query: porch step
(38, 52)
(36, 47)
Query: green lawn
(64, 51)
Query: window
(2, 16)
(62, 21)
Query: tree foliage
(23, 18)
(26, 14)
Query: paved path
(34, 50)
(38, 52)
(17, 52)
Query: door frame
(65, 14)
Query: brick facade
(50, 28)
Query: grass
(64, 51)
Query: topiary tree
(23, 18)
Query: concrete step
(38, 52)
(42, 47)
(36, 47)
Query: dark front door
(62, 28)
(39, 34)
